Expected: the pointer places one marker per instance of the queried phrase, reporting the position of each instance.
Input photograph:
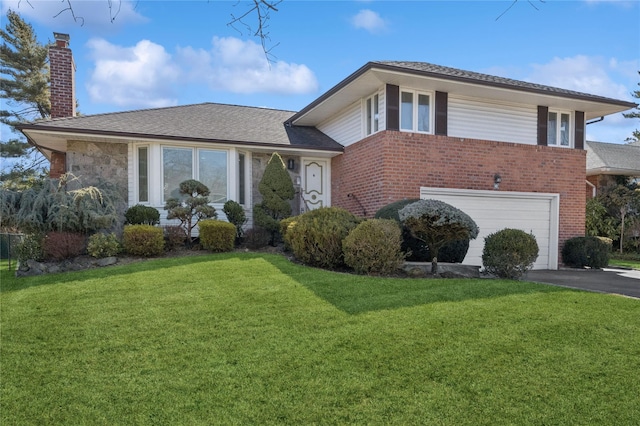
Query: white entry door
(315, 183)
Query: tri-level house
(509, 153)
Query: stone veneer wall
(391, 166)
(93, 162)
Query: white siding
(492, 211)
(346, 126)
(475, 119)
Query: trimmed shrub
(236, 216)
(142, 215)
(30, 248)
(592, 252)
(286, 225)
(509, 253)
(103, 245)
(317, 236)
(216, 235)
(143, 240)
(59, 245)
(417, 250)
(174, 237)
(374, 247)
(192, 207)
(256, 238)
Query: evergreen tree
(24, 90)
(635, 136)
(277, 190)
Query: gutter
(593, 189)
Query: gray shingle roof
(613, 157)
(458, 74)
(207, 122)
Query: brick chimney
(63, 93)
(63, 70)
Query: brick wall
(391, 166)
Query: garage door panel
(531, 212)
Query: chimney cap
(62, 40)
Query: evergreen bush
(437, 223)
(286, 225)
(192, 207)
(509, 253)
(277, 190)
(416, 249)
(316, 238)
(217, 236)
(143, 240)
(592, 252)
(30, 248)
(103, 245)
(236, 216)
(374, 247)
(142, 215)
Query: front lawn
(626, 261)
(254, 339)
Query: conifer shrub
(316, 238)
(142, 215)
(217, 235)
(277, 190)
(417, 250)
(374, 247)
(60, 245)
(103, 245)
(236, 216)
(192, 207)
(286, 225)
(509, 253)
(143, 240)
(592, 252)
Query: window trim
(138, 175)
(570, 131)
(371, 109)
(416, 110)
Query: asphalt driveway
(624, 282)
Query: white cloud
(369, 20)
(99, 15)
(241, 67)
(607, 77)
(138, 76)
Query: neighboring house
(509, 153)
(605, 161)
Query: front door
(314, 184)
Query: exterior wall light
(291, 164)
(496, 181)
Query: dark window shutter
(442, 105)
(579, 134)
(543, 119)
(393, 107)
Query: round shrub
(217, 235)
(142, 215)
(316, 238)
(417, 250)
(509, 253)
(287, 224)
(374, 247)
(592, 252)
(143, 240)
(103, 245)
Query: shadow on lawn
(355, 294)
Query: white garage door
(531, 212)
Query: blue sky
(163, 53)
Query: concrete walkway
(625, 282)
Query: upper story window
(415, 111)
(559, 129)
(372, 114)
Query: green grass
(254, 339)
(626, 261)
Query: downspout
(595, 121)
(593, 188)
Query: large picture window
(205, 165)
(559, 129)
(415, 112)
